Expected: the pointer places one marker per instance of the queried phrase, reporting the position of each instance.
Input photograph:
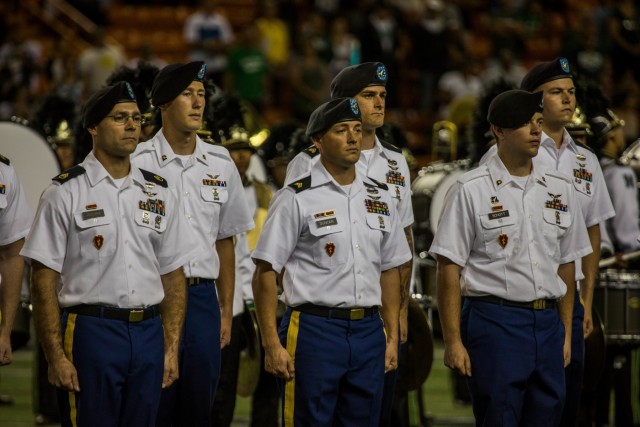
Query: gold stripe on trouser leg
(68, 351)
(290, 386)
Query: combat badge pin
(98, 241)
(503, 239)
(381, 221)
(330, 248)
(580, 157)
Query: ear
(316, 141)
(92, 130)
(498, 132)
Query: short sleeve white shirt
(582, 166)
(15, 213)
(210, 194)
(332, 245)
(383, 163)
(110, 243)
(510, 240)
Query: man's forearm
(225, 282)
(11, 269)
(449, 299)
(173, 307)
(46, 311)
(390, 311)
(265, 296)
(406, 270)
(565, 305)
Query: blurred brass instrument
(444, 141)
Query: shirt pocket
(554, 226)
(583, 186)
(150, 220)
(95, 233)
(214, 194)
(496, 234)
(330, 248)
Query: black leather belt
(194, 281)
(337, 313)
(115, 313)
(539, 304)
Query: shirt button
(129, 265)
(530, 216)
(126, 242)
(357, 246)
(354, 221)
(133, 291)
(359, 296)
(186, 193)
(539, 288)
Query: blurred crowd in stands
(441, 54)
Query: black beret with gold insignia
(175, 78)
(351, 80)
(101, 102)
(545, 72)
(335, 111)
(514, 108)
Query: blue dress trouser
(189, 400)
(119, 365)
(574, 372)
(339, 370)
(517, 364)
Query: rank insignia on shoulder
(312, 151)
(330, 248)
(390, 147)
(69, 174)
(152, 177)
(4, 160)
(301, 184)
(377, 183)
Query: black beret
(175, 78)
(332, 112)
(546, 72)
(513, 108)
(351, 80)
(101, 102)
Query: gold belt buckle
(539, 304)
(356, 314)
(136, 315)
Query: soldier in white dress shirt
(336, 235)
(15, 220)
(506, 242)
(107, 247)
(559, 151)
(211, 198)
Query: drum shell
(429, 190)
(617, 299)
